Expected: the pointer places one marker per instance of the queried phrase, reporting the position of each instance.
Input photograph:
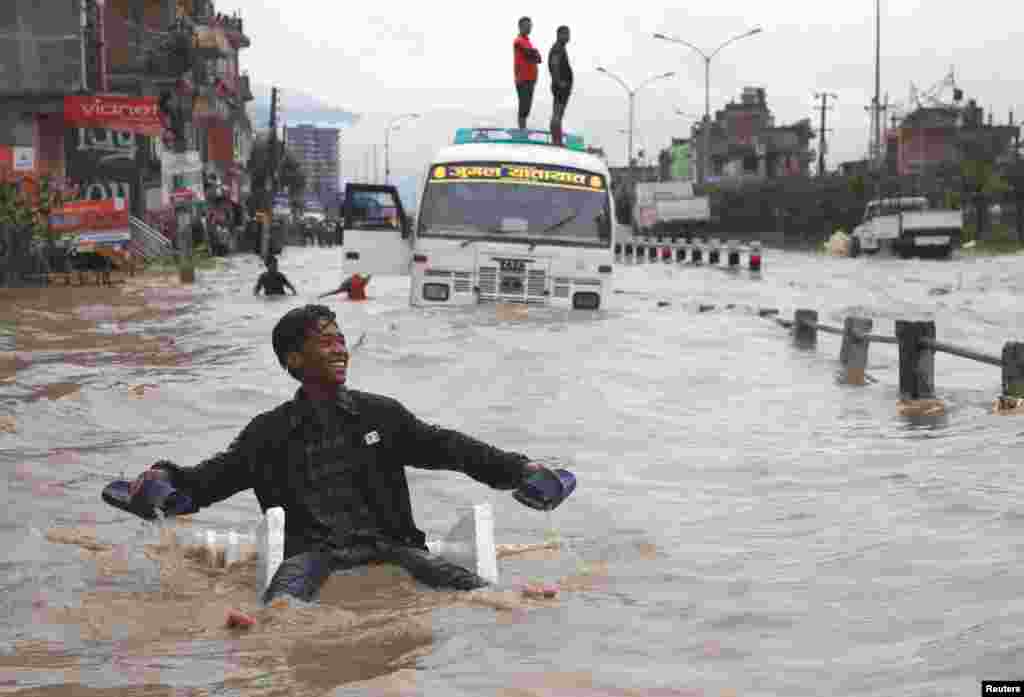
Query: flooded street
(743, 525)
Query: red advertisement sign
(114, 112)
(81, 216)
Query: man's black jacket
(338, 469)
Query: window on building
(750, 164)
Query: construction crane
(932, 96)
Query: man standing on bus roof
(525, 61)
(561, 81)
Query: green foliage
(22, 210)
(858, 186)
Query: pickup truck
(908, 227)
(669, 209)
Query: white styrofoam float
(470, 544)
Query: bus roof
(530, 154)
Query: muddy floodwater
(743, 523)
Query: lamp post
(632, 96)
(706, 126)
(387, 143)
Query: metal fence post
(805, 328)
(917, 361)
(854, 352)
(1013, 369)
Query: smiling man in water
(335, 460)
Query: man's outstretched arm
(433, 447)
(218, 477)
(345, 286)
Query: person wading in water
(334, 458)
(272, 281)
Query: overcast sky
(452, 62)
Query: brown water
(743, 524)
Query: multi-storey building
(83, 86)
(745, 143)
(316, 150)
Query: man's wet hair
(291, 331)
(524, 19)
(561, 29)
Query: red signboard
(80, 216)
(115, 113)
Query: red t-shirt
(525, 70)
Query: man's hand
(531, 468)
(152, 473)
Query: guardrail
(917, 349)
(148, 241)
(653, 248)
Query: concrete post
(805, 328)
(917, 362)
(734, 254)
(755, 256)
(1013, 369)
(713, 253)
(854, 352)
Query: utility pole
(823, 96)
(1018, 194)
(270, 176)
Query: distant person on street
(335, 460)
(354, 285)
(561, 81)
(525, 61)
(272, 281)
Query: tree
(291, 178)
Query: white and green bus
(507, 217)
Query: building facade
(317, 152)
(745, 143)
(95, 112)
(936, 139)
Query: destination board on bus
(537, 175)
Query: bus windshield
(512, 202)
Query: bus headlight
(437, 292)
(586, 301)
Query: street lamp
(706, 128)
(632, 95)
(387, 143)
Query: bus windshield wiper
(560, 223)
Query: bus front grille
(488, 282)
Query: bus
(508, 217)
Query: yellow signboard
(541, 175)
